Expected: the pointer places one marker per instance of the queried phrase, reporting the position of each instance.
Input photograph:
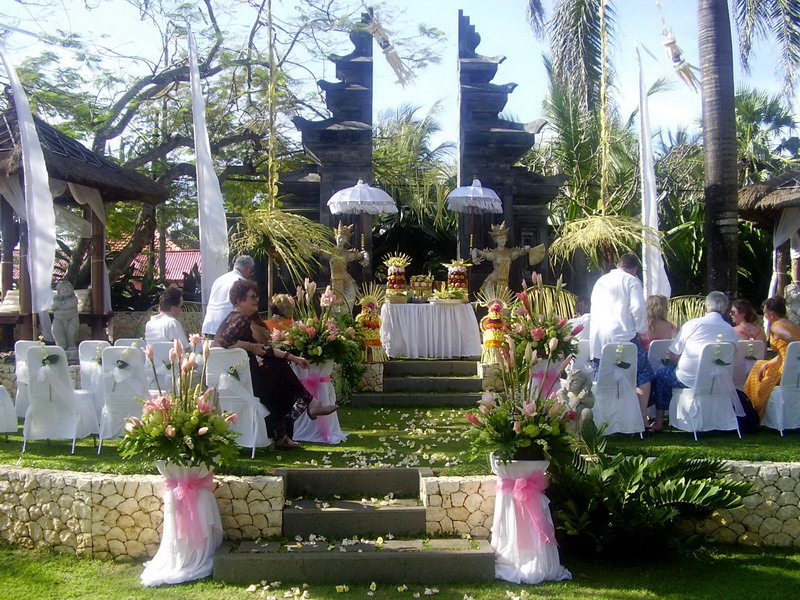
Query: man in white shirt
(219, 302)
(686, 349)
(165, 327)
(620, 314)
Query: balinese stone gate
(341, 146)
(488, 148)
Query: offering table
(430, 330)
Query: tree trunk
(142, 235)
(719, 145)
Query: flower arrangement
(183, 426)
(450, 293)
(320, 332)
(525, 420)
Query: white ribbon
(721, 375)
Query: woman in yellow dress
(766, 374)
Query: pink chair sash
(312, 382)
(187, 515)
(528, 507)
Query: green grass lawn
(428, 437)
(718, 574)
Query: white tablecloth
(430, 330)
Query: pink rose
(170, 431)
(202, 431)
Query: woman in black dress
(274, 382)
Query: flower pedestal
(523, 536)
(192, 529)
(324, 429)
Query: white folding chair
(8, 416)
(747, 353)
(125, 387)
(55, 409)
(21, 371)
(229, 371)
(616, 404)
(581, 360)
(90, 353)
(657, 353)
(710, 404)
(138, 342)
(162, 378)
(783, 407)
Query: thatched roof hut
(763, 202)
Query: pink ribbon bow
(312, 383)
(528, 508)
(187, 515)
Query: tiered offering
(457, 274)
(396, 277)
(421, 286)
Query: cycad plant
(613, 502)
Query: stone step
(432, 562)
(352, 483)
(344, 518)
(432, 367)
(364, 400)
(431, 384)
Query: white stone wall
(491, 377)
(120, 516)
(458, 505)
(372, 381)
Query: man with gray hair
(219, 302)
(685, 351)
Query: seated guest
(745, 321)
(766, 374)
(274, 382)
(686, 350)
(658, 327)
(582, 317)
(164, 326)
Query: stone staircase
(351, 509)
(409, 383)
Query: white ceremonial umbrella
(474, 199)
(361, 199)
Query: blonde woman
(658, 327)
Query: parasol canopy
(474, 199)
(361, 198)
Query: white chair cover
(747, 353)
(783, 407)
(325, 429)
(236, 396)
(90, 353)
(190, 556)
(21, 371)
(55, 410)
(581, 360)
(163, 370)
(615, 402)
(125, 389)
(658, 351)
(712, 404)
(523, 536)
(8, 416)
(138, 342)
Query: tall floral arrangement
(320, 331)
(525, 420)
(183, 425)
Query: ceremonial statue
(577, 395)
(502, 256)
(65, 316)
(341, 281)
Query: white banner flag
(654, 276)
(38, 204)
(210, 208)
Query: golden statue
(502, 256)
(341, 281)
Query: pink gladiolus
(202, 431)
(538, 333)
(328, 298)
(577, 330)
(189, 362)
(136, 421)
(488, 399)
(173, 356)
(529, 409)
(473, 419)
(553, 344)
(231, 418)
(149, 352)
(161, 404)
(517, 427)
(203, 405)
(195, 339)
(170, 431)
(562, 321)
(277, 335)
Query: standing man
(164, 326)
(219, 302)
(620, 316)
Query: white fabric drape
(211, 210)
(90, 196)
(41, 217)
(325, 429)
(178, 559)
(11, 189)
(785, 229)
(430, 330)
(654, 276)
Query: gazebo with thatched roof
(775, 203)
(78, 176)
